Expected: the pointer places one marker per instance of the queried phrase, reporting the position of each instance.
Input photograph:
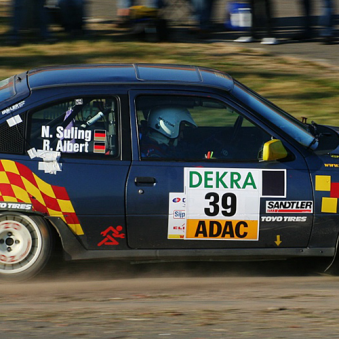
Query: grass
(302, 88)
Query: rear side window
(75, 127)
(7, 89)
(12, 137)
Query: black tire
(25, 246)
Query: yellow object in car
(139, 12)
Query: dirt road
(201, 301)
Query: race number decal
(222, 203)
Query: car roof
(128, 73)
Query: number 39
(228, 204)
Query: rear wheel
(25, 246)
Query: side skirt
(74, 250)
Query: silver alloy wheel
(20, 243)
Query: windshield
(7, 89)
(284, 121)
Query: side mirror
(274, 150)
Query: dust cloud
(183, 300)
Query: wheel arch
(333, 266)
(62, 234)
(68, 241)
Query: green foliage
(303, 88)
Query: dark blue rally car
(158, 162)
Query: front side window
(78, 126)
(191, 128)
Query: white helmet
(167, 120)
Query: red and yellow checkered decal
(19, 184)
(324, 183)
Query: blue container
(238, 16)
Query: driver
(165, 130)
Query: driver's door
(215, 192)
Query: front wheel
(25, 246)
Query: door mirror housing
(274, 150)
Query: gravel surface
(101, 301)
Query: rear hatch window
(7, 89)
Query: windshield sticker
(13, 108)
(222, 204)
(289, 206)
(14, 121)
(79, 102)
(15, 206)
(50, 162)
(20, 185)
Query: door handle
(149, 181)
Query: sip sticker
(176, 216)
